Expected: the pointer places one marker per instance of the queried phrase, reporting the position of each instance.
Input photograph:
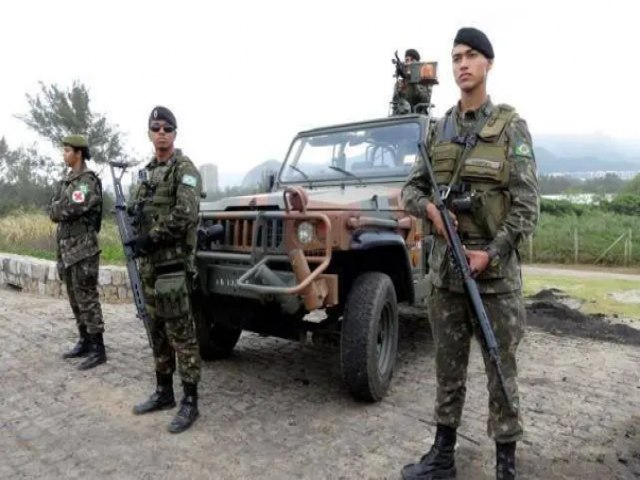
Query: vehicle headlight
(306, 232)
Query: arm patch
(189, 180)
(523, 149)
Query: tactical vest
(90, 221)
(478, 183)
(157, 197)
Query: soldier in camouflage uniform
(483, 152)
(407, 95)
(165, 208)
(77, 209)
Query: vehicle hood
(364, 197)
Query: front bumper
(261, 258)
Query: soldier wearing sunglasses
(166, 206)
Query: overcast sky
(243, 77)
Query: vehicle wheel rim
(384, 340)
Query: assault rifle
(462, 267)
(126, 229)
(400, 66)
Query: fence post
(624, 234)
(530, 248)
(575, 245)
(625, 255)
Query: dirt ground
(278, 409)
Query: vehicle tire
(216, 340)
(369, 339)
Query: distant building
(589, 175)
(209, 174)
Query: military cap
(163, 113)
(413, 53)
(77, 141)
(476, 39)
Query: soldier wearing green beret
(168, 197)
(77, 209)
(483, 156)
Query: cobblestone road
(278, 409)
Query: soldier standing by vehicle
(406, 95)
(482, 154)
(165, 208)
(77, 209)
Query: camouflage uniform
(169, 201)
(500, 174)
(77, 209)
(407, 95)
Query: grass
(595, 292)
(32, 233)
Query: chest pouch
(172, 295)
(444, 159)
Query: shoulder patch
(523, 149)
(77, 196)
(189, 180)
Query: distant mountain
(255, 175)
(550, 163)
(576, 153)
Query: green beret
(77, 141)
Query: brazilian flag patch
(189, 180)
(523, 149)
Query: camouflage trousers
(81, 280)
(453, 326)
(173, 334)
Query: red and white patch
(77, 196)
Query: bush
(562, 207)
(623, 204)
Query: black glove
(141, 245)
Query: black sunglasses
(166, 128)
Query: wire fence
(606, 239)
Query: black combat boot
(188, 412)
(506, 461)
(81, 349)
(161, 399)
(437, 463)
(97, 355)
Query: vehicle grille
(238, 234)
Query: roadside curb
(34, 275)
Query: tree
(633, 186)
(26, 178)
(55, 112)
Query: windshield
(354, 155)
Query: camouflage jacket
(406, 95)
(77, 209)
(167, 199)
(519, 187)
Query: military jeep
(327, 252)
